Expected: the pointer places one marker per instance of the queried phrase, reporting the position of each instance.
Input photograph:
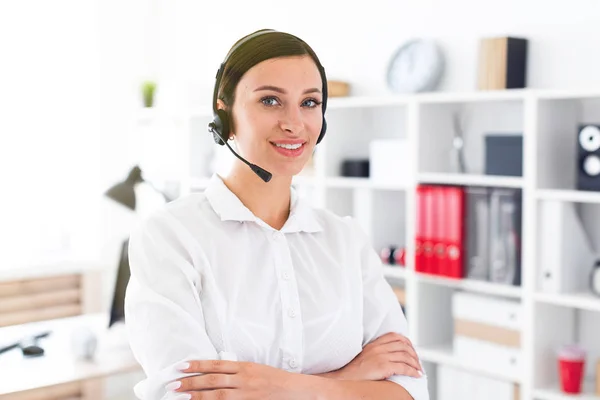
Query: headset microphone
(261, 172)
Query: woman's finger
(402, 357)
(398, 347)
(205, 382)
(212, 367)
(401, 368)
(226, 394)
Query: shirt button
(292, 313)
(277, 235)
(293, 363)
(286, 275)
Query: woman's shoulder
(187, 210)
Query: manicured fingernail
(182, 366)
(420, 373)
(173, 386)
(183, 396)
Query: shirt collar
(229, 208)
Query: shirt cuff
(416, 387)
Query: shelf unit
(443, 354)
(554, 393)
(548, 122)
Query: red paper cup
(571, 363)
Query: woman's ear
(221, 105)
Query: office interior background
(508, 319)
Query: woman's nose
(292, 121)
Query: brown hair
(263, 47)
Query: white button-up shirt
(210, 280)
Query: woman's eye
(311, 103)
(269, 101)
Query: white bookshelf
(548, 122)
(472, 285)
(470, 180)
(554, 393)
(444, 354)
(581, 301)
(574, 196)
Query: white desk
(20, 376)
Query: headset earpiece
(323, 130)
(221, 129)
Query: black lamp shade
(124, 192)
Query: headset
(220, 127)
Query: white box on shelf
(389, 161)
(566, 257)
(503, 360)
(488, 310)
(454, 383)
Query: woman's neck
(269, 201)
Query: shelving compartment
(567, 248)
(563, 144)
(442, 125)
(351, 131)
(557, 326)
(473, 338)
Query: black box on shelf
(504, 155)
(355, 168)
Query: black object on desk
(28, 345)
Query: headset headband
(238, 45)
(222, 67)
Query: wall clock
(417, 66)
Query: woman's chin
(287, 171)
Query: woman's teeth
(289, 146)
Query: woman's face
(277, 114)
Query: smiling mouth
(289, 150)
(289, 146)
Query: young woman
(245, 291)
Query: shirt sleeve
(163, 314)
(381, 310)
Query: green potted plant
(148, 90)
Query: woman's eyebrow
(282, 91)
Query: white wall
(70, 70)
(357, 46)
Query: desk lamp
(124, 193)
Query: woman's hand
(233, 380)
(390, 354)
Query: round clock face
(416, 67)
